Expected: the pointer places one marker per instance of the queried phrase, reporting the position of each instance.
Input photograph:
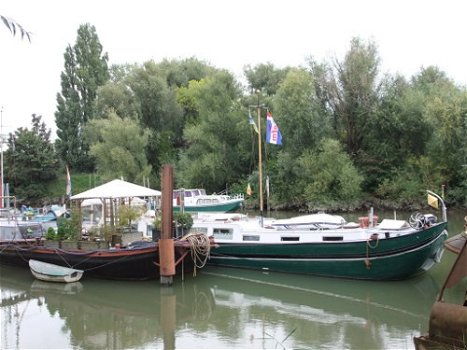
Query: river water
(222, 309)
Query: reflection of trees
(278, 312)
(110, 315)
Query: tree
(352, 93)
(328, 176)
(117, 145)
(217, 152)
(299, 113)
(12, 25)
(85, 71)
(265, 77)
(30, 161)
(158, 111)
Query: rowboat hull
(54, 273)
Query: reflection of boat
(448, 320)
(196, 200)
(54, 273)
(322, 313)
(225, 310)
(40, 287)
(106, 314)
(393, 249)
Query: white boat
(54, 273)
(196, 200)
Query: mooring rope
(200, 246)
(373, 237)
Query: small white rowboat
(54, 273)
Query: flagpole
(260, 165)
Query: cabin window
(290, 239)
(333, 238)
(251, 238)
(222, 233)
(199, 230)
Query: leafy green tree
(445, 113)
(217, 153)
(118, 147)
(30, 162)
(352, 91)
(85, 70)
(158, 111)
(328, 176)
(179, 73)
(264, 77)
(397, 131)
(187, 98)
(298, 113)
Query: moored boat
(390, 250)
(196, 200)
(136, 261)
(54, 273)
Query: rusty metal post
(168, 317)
(166, 243)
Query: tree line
(351, 134)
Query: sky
(409, 35)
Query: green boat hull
(223, 207)
(394, 258)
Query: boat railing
(232, 196)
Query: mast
(260, 165)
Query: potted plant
(126, 215)
(68, 231)
(183, 223)
(51, 239)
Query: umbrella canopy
(117, 189)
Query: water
(221, 308)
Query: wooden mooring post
(166, 242)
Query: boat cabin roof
(189, 192)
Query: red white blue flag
(273, 134)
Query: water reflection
(103, 315)
(324, 313)
(220, 308)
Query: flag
(267, 186)
(249, 191)
(68, 183)
(252, 122)
(273, 134)
(433, 201)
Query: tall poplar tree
(85, 71)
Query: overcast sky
(409, 34)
